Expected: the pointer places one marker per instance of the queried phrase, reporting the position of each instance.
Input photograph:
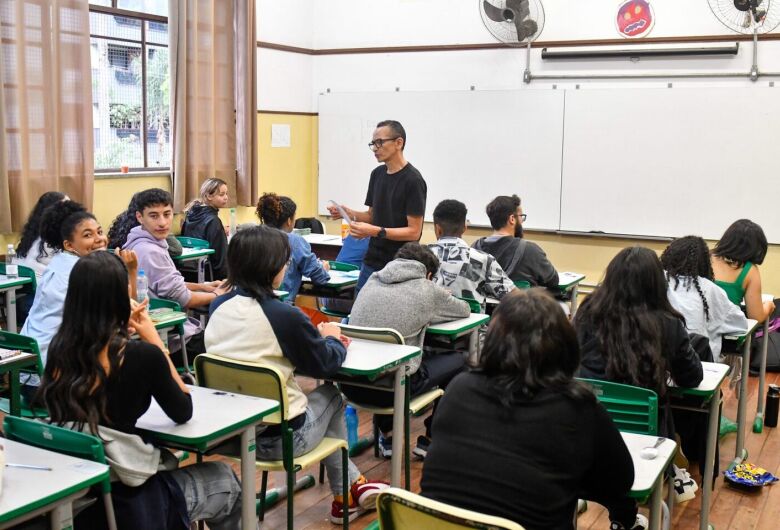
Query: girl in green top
(735, 262)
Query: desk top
(188, 253)
(338, 279)
(12, 360)
(372, 358)
(752, 325)
(646, 472)
(323, 239)
(714, 374)
(567, 280)
(282, 295)
(166, 319)
(459, 326)
(7, 283)
(25, 490)
(215, 416)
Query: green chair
(398, 509)
(65, 441)
(322, 302)
(159, 303)
(268, 382)
(415, 405)
(192, 242)
(474, 306)
(27, 289)
(14, 341)
(522, 284)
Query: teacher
(395, 199)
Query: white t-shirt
(35, 261)
(724, 316)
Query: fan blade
(520, 7)
(521, 31)
(492, 12)
(531, 27)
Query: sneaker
(582, 506)
(684, 486)
(385, 446)
(366, 493)
(337, 511)
(641, 523)
(421, 449)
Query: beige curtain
(46, 136)
(210, 73)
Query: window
(130, 84)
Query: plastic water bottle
(344, 229)
(11, 268)
(352, 425)
(141, 287)
(232, 229)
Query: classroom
(389, 264)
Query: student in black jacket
(202, 221)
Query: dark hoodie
(203, 222)
(521, 260)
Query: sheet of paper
(280, 135)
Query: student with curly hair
(202, 221)
(32, 251)
(279, 212)
(692, 292)
(735, 261)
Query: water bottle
(11, 268)
(772, 403)
(352, 425)
(232, 228)
(344, 229)
(141, 287)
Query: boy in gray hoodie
(403, 297)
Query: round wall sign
(635, 18)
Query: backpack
(773, 346)
(311, 223)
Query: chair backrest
(24, 272)
(632, 409)
(251, 379)
(159, 303)
(312, 223)
(474, 306)
(192, 242)
(523, 284)
(341, 266)
(57, 439)
(14, 341)
(376, 334)
(399, 509)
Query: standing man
(395, 199)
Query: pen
(28, 466)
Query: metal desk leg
(398, 426)
(656, 516)
(474, 345)
(574, 293)
(10, 309)
(758, 423)
(740, 454)
(202, 269)
(61, 517)
(248, 517)
(709, 460)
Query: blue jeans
(324, 418)
(365, 272)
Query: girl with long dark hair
(32, 251)
(97, 377)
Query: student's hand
(222, 289)
(325, 265)
(346, 341)
(329, 329)
(142, 323)
(212, 287)
(360, 230)
(129, 258)
(769, 307)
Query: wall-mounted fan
(513, 22)
(747, 16)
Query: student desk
(282, 295)
(709, 390)
(341, 282)
(216, 417)
(758, 422)
(13, 364)
(649, 474)
(567, 282)
(368, 360)
(740, 453)
(165, 321)
(9, 286)
(28, 493)
(325, 246)
(458, 328)
(200, 254)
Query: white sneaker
(685, 487)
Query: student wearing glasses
(395, 199)
(522, 260)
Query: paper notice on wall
(280, 135)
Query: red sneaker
(337, 512)
(366, 493)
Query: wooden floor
(731, 509)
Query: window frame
(143, 17)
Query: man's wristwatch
(382, 233)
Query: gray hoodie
(402, 298)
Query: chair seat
(26, 412)
(325, 448)
(416, 404)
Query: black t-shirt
(392, 197)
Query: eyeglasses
(379, 142)
(522, 217)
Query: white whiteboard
(671, 162)
(468, 145)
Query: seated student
(705, 306)
(72, 232)
(250, 324)
(735, 261)
(629, 333)
(402, 296)
(32, 251)
(154, 213)
(519, 437)
(100, 381)
(464, 271)
(279, 212)
(126, 221)
(202, 221)
(521, 259)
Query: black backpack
(773, 347)
(311, 223)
